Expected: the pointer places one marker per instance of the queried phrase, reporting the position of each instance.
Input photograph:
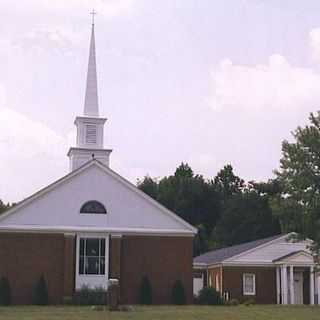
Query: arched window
(93, 207)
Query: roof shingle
(219, 255)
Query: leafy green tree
(299, 175)
(190, 196)
(149, 186)
(270, 188)
(246, 216)
(183, 171)
(4, 207)
(200, 241)
(227, 183)
(225, 209)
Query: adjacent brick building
(267, 271)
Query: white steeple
(91, 107)
(90, 126)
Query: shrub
(209, 296)
(40, 292)
(5, 292)
(89, 296)
(145, 291)
(178, 293)
(249, 302)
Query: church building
(275, 270)
(93, 225)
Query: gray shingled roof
(219, 255)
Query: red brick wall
(24, 257)
(265, 283)
(163, 259)
(69, 265)
(115, 257)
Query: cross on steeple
(93, 13)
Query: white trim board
(113, 231)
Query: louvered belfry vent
(91, 134)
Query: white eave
(85, 229)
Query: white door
(197, 283)
(298, 287)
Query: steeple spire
(91, 107)
(90, 126)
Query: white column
(311, 285)
(291, 286)
(284, 287)
(318, 287)
(278, 292)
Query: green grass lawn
(163, 313)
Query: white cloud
(314, 41)
(32, 155)
(107, 8)
(63, 35)
(203, 163)
(276, 85)
(47, 37)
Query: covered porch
(297, 281)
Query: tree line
(225, 209)
(228, 211)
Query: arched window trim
(93, 207)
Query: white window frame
(248, 293)
(92, 280)
(99, 256)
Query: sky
(205, 82)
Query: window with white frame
(92, 256)
(249, 284)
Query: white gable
(127, 208)
(298, 258)
(271, 251)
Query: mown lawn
(163, 313)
